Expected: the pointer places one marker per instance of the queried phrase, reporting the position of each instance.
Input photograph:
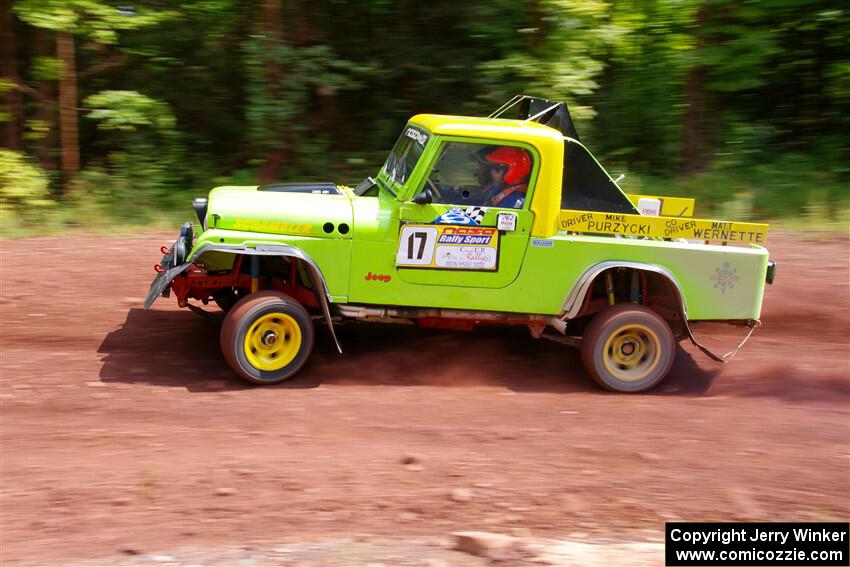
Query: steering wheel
(435, 190)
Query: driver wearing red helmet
(503, 172)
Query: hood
(299, 209)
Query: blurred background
(119, 112)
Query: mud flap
(160, 283)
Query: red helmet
(517, 161)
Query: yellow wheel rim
(272, 341)
(631, 353)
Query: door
(475, 229)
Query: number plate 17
(448, 247)
(416, 246)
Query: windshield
(405, 154)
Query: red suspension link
(195, 283)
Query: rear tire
(628, 348)
(267, 337)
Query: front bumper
(161, 283)
(173, 264)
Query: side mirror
(423, 198)
(200, 206)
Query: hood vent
(309, 188)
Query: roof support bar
(507, 106)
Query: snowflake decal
(725, 277)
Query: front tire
(628, 348)
(267, 337)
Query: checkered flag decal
(476, 213)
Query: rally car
(471, 220)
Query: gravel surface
(125, 437)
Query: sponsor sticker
(420, 137)
(542, 243)
(506, 221)
(455, 216)
(476, 213)
(649, 207)
(258, 225)
(439, 247)
(466, 257)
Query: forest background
(117, 113)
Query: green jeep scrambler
(469, 221)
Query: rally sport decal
(448, 247)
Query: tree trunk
(68, 119)
(45, 112)
(695, 132)
(13, 98)
(326, 115)
(694, 159)
(278, 155)
(301, 32)
(538, 21)
(272, 19)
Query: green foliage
(36, 130)
(143, 167)
(279, 102)
(45, 68)
(5, 86)
(181, 96)
(128, 111)
(96, 19)
(141, 177)
(562, 58)
(24, 186)
(783, 189)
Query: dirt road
(123, 429)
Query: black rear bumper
(771, 272)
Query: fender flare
(575, 299)
(316, 277)
(581, 288)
